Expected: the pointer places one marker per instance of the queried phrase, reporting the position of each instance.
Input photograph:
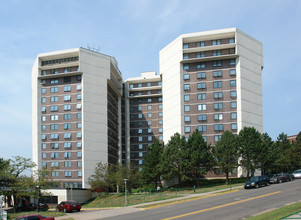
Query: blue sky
(134, 31)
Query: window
(79, 115)
(232, 72)
(67, 88)
(78, 134)
(67, 107)
(131, 86)
(78, 106)
(44, 155)
(232, 51)
(160, 106)
(186, 66)
(67, 145)
(187, 118)
(234, 126)
(54, 81)
(159, 99)
(54, 136)
(217, 84)
(205, 138)
(139, 115)
(44, 164)
(200, 54)
(200, 44)
(54, 108)
(139, 85)
(79, 96)
(54, 99)
(185, 56)
(186, 87)
(218, 117)
(218, 95)
(218, 73)
(216, 52)
(217, 138)
(67, 135)
(149, 107)
(231, 40)
(185, 46)
(233, 115)
(67, 126)
(201, 85)
(79, 164)
(186, 76)
(79, 154)
(79, 144)
(67, 79)
(232, 62)
(68, 173)
(140, 162)
(54, 89)
(150, 138)
(160, 114)
(149, 115)
(202, 117)
(78, 78)
(187, 129)
(54, 145)
(233, 104)
(67, 116)
(160, 130)
(200, 65)
(54, 117)
(79, 125)
(43, 91)
(55, 173)
(217, 106)
(139, 139)
(43, 100)
(186, 98)
(160, 122)
(216, 42)
(43, 109)
(160, 138)
(160, 83)
(186, 108)
(43, 136)
(217, 63)
(202, 128)
(43, 117)
(201, 75)
(54, 127)
(201, 96)
(149, 100)
(232, 83)
(43, 146)
(139, 108)
(149, 92)
(233, 93)
(149, 130)
(202, 107)
(67, 164)
(54, 155)
(139, 131)
(67, 97)
(79, 173)
(79, 87)
(67, 154)
(54, 164)
(219, 127)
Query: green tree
(267, 155)
(293, 154)
(151, 171)
(249, 142)
(173, 159)
(199, 156)
(282, 147)
(226, 153)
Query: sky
(134, 31)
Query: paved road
(235, 205)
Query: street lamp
(125, 199)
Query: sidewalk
(99, 213)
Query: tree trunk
(227, 178)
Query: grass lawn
(117, 200)
(278, 213)
(47, 213)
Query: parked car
(257, 181)
(32, 207)
(279, 178)
(297, 174)
(69, 206)
(289, 176)
(34, 217)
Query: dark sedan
(279, 178)
(256, 182)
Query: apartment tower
(76, 108)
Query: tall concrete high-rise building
(211, 82)
(76, 107)
(84, 113)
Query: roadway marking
(187, 200)
(221, 206)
